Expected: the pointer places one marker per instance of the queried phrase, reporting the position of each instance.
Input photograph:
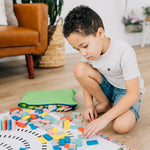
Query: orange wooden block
(33, 116)
(66, 145)
(21, 124)
(12, 109)
(66, 117)
(81, 129)
(43, 123)
(5, 125)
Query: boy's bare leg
(89, 79)
(124, 122)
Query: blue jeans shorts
(114, 94)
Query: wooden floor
(14, 83)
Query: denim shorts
(114, 95)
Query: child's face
(90, 47)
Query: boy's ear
(100, 32)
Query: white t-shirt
(118, 64)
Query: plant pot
(54, 56)
(148, 18)
(134, 28)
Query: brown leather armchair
(31, 35)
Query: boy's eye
(85, 46)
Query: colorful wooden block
(92, 142)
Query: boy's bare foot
(102, 108)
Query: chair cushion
(17, 36)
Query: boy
(108, 72)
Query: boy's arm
(89, 113)
(131, 97)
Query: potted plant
(132, 24)
(146, 11)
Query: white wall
(111, 12)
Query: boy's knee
(79, 69)
(120, 127)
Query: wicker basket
(54, 56)
(148, 18)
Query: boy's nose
(83, 52)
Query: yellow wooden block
(42, 140)
(41, 106)
(31, 107)
(25, 117)
(54, 130)
(55, 137)
(60, 108)
(28, 110)
(61, 136)
(44, 114)
(66, 125)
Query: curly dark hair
(83, 20)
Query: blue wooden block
(1, 125)
(67, 139)
(9, 124)
(92, 142)
(16, 117)
(22, 148)
(33, 127)
(47, 137)
(56, 147)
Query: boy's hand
(93, 127)
(89, 113)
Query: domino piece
(15, 111)
(66, 125)
(56, 147)
(44, 114)
(26, 117)
(9, 125)
(16, 117)
(92, 142)
(21, 124)
(5, 125)
(13, 125)
(49, 131)
(61, 142)
(24, 114)
(59, 133)
(67, 139)
(42, 140)
(66, 145)
(1, 125)
(33, 116)
(74, 126)
(46, 110)
(28, 110)
(47, 137)
(53, 142)
(22, 148)
(81, 129)
(33, 127)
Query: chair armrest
(34, 16)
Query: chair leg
(29, 62)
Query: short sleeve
(129, 64)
